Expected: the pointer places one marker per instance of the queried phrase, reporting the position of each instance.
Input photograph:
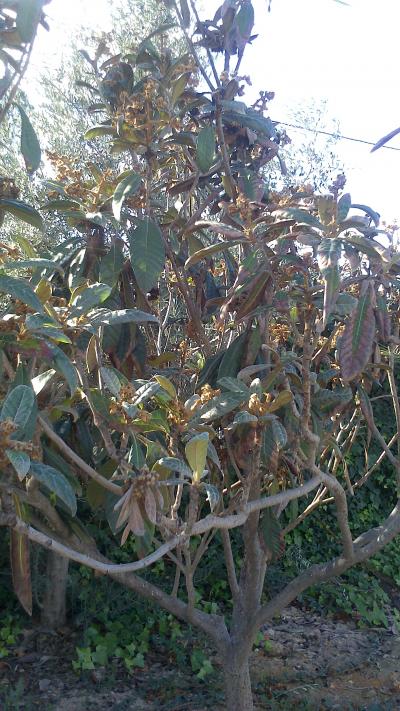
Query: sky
(307, 51)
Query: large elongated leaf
(147, 253)
(22, 211)
(28, 16)
(64, 365)
(232, 358)
(128, 186)
(106, 317)
(328, 255)
(205, 149)
(21, 290)
(196, 454)
(34, 264)
(92, 296)
(30, 147)
(220, 405)
(111, 265)
(20, 461)
(357, 340)
(20, 407)
(209, 251)
(56, 483)
(21, 569)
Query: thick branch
(76, 459)
(365, 546)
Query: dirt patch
(307, 662)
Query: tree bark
(54, 609)
(238, 695)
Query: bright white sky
(306, 50)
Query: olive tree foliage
(200, 352)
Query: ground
(303, 661)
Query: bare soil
(307, 662)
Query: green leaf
(30, 147)
(19, 406)
(128, 186)
(34, 264)
(28, 16)
(327, 401)
(147, 253)
(40, 381)
(111, 265)
(166, 385)
(22, 211)
(20, 461)
(100, 317)
(368, 211)
(301, 216)
(232, 358)
(220, 405)
(97, 131)
(55, 482)
(179, 86)
(328, 254)
(185, 12)
(245, 22)
(205, 149)
(385, 139)
(208, 251)
(176, 465)
(25, 245)
(92, 296)
(213, 495)
(234, 385)
(196, 454)
(63, 364)
(21, 290)
(111, 380)
(343, 207)
(356, 342)
(243, 418)
(271, 533)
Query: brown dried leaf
(358, 338)
(150, 505)
(21, 570)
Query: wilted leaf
(150, 505)
(357, 340)
(21, 571)
(176, 465)
(208, 251)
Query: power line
(335, 135)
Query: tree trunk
(238, 695)
(54, 610)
